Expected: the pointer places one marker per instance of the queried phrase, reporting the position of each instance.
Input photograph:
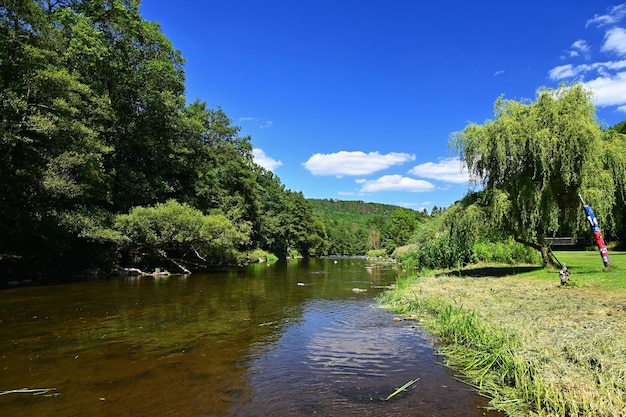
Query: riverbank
(533, 346)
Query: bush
(377, 253)
(259, 255)
(173, 229)
(509, 252)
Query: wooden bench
(562, 241)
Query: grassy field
(532, 345)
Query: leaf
(402, 388)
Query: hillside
(355, 227)
(352, 212)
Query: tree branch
(527, 243)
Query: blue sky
(356, 99)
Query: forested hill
(356, 227)
(351, 211)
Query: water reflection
(245, 341)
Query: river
(297, 338)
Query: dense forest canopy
(357, 227)
(100, 152)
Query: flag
(597, 233)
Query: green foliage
(176, 230)
(614, 164)
(94, 123)
(508, 252)
(459, 236)
(355, 227)
(534, 159)
(402, 226)
(524, 368)
(376, 253)
(259, 255)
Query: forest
(104, 163)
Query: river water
(298, 338)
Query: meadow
(533, 346)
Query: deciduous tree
(534, 158)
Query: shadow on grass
(493, 271)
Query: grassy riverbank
(533, 346)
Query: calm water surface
(288, 339)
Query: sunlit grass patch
(535, 347)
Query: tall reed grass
(532, 346)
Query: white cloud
(499, 72)
(561, 72)
(263, 124)
(353, 163)
(615, 41)
(615, 15)
(607, 80)
(622, 109)
(395, 183)
(570, 71)
(264, 160)
(448, 170)
(580, 47)
(414, 205)
(609, 90)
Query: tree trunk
(542, 247)
(546, 257)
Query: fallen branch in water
(34, 391)
(402, 388)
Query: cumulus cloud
(609, 90)
(561, 72)
(448, 170)
(614, 16)
(395, 183)
(265, 161)
(599, 68)
(607, 78)
(615, 41)
(353, 163)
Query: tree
(533, 159)
(178, 233)
(51, 123)
(402, 225)
(614, 150)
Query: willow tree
(534, 158)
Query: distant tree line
(357, 227)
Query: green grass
(533, 346)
